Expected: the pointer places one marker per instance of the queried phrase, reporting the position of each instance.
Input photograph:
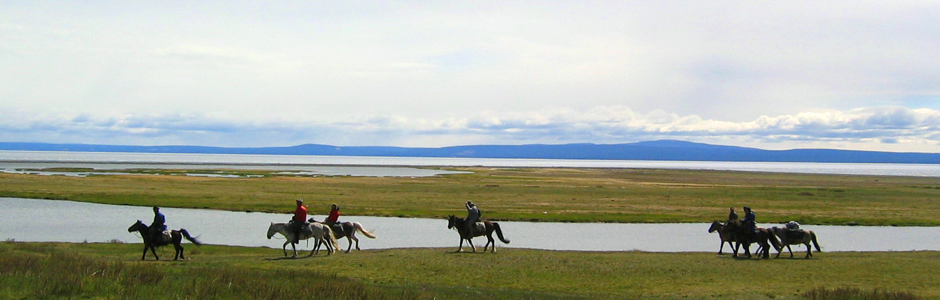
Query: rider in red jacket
(334, 215)
(300, 217)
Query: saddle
(338, 229)
(163, 237)
(478, 227)
(304, 228)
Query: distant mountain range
(652, 150)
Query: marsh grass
(846, 293)
(52, 271)
(220, 272)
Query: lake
(32, 220)
(405, 166)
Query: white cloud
(884, 128)
(436, 73)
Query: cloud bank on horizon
(845, 75)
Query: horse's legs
(469, 241)
(143, 257)
(490, 241)
(179, 252)
(153, 249)
(809, 251)
(349, 240)
(354, 238)
(747, 249)
(316, 247)
(329, 246)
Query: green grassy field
(221, 272)
(536, 194)
(99, 271)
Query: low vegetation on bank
(523, 194)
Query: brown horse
(489, 227)
(724, 235)
(743, 235)
(159, 240)
(807, 237)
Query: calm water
(68, 221)
(367, 165)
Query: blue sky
(774, 75)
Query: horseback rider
(473, 216)
(297, 222)
(159, 223)
(732, 215)
(750, 220)
(333, 219)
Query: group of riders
(793, 230)
(298, 223)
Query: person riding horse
(750, 220)
(473, 216)
(298, 221)
(732, 215)
(332, 220)
(159, 224)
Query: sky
(860, 75)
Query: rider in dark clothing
(749, 219)
(159, 222)
(732, 215)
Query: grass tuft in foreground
(39, 271)
(847, 293)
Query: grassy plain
(113, 271)
(538, 194)
(530, 194)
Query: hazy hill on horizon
(673, 150)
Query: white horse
(321, 233)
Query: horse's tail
(331, 237)
(189, 237)
(773, 240)
(813, 236)
(363, 230)
(499, 233)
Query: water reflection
(68, 221)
